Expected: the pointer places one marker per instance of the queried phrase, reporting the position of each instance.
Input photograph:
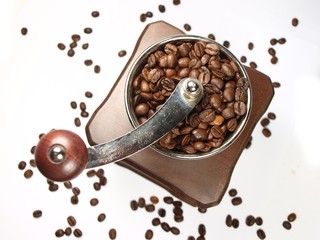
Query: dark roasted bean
(95, 14)
(149, 234)
(202, 229)
(235, 223)
(271, 115)
(71, 221)
(101, 217)
(266, 132)
(24, 31)
(22, 165)
(68, 231)
(28, 173)
(156, 222)
(61, 46)
(122, 53)
(85, 46)
(59, 233)
(150, 207)
(294, 22)
(94, 202)
(87, 30)
(162, 212)
(74, 199)
(250, 220)
(261, 234)
(229, 220)
(37, 213)
(165, 226)
(187, 27)
(97, 69)
(250, 45)
(77, 232)
(264, 122)
(175, 230)
(287, 225)
(162, 8)
(259, 221)
(292, 217)
(113, 233)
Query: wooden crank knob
(61, 155)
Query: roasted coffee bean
(178, 218)
(75, 37)
(67, 184)
(261, 234)
(226, 44)
(85, 46)
(240, 108)
(37, 213)
(94, 202)
(271, 115)
(149, 207)
(71, 52)
(143, 17)
(88, 62)
(191, 238)
(292, 217)
(32, 150)
(264, 122)
(141, 202)
(103, 181)
(97, 69)
(282, 40)
(175, 230)
(176, 2)
(295, 22)
(243, 59)
(96, 186)
(22, 165)
(71, 221)
(77, 122)
(113, 233)
(61, 46)
(168, 200)
(162, 212)
(149, 234)
(177, 211)
(84, 114)
(250, 220)
(187, 27)
(95, 14)
(134, 205)
(271, 51)
(73, 45)
(216, 131)
(229, 220)
(91, 173)
(177, 204)
(83, 106)
(76, 191)
(122, 53)
(53, 187)
(235, 223)
(211, 36)
(273, 41)
(101, 217)
(165, 226)
(202, 229)
(68, 231)
(156, 221)
(250, 45)
(229, 94)
(24, 31)
(202, 209)
(77, 232)
(228, 113)
(287, 225)
(149, 14)
(59, 233)
(253, 65)
(266, 132)
(33, 163)
(259, 221)
(154, 199)
(73, 105)
(74, 199)
(233, 192)
(162, 8)
(274, 60)
(276, 84)
(87, 30)
(28, 173)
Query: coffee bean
(176, 2)
(97, 69)
(77, 232)
(73, 45)
(113, 233)
(156, 221)
(259, 221)
(68, 231)
(178, 218)
(22, 165)
(271, 115)
(149, 234)
(96, 186)
(250, 45)
(266, 132)
(271, 51)
(226, 44)
(87, 30)
(28, 173)
(154, 199)
(235, 223)
(37, 213)
(95, 14)
(292, 217)
(261, 234)
(24, 31)
(187, 27)
(250, 220)
(74, 199)
(162, 8)
(191, 238)
(75, 37)
(53, 187)
(282, 40)
(253, 65)
(76, 191)
(67, 184)
(229, 220)
(274, 60)
(88, 62)
(165, 226)
(162, 212)
(243, 59)
(32, 150)
(122, 53)
(94, 202)
(84, 114)
(73, 105)
(85, 46)
(202, 229)
(101, 217)
(143, 17)
(273, 41)
(175, 230)
(150, 207)
(71, 221)
(33, 163)
(59, 233)
(276, 84)
(264, 122)
(294, 22)
(61, 46)
(71, 52)
(134, 205)
(202, 209)
(233, 192)
(91, 173)
(211, 36)
(287, 225)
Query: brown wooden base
(201, 183)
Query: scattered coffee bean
(77, 122)
(141, 202)
(88, 62)
(53, 187)
(162, 212)
(134, 205)
(95, 14)
(175, 230)
(176, 2)
(235, 223)
(97, 69)
(22, 165)
(94, 202)
(202, 229)
(168, 200)
(250, 220)
(274, 60)
(178, 218)
(83, 106)
(272, 51)
(73, 45)
(165, 226)
(264, 122)
(68, 231)
(73, 105)
(156, 221)
(266, 132)
(236, 201)
(253, 65)
(122, 53)
(226, 44)
(259, 221)
(154, 199)
(149, 207)
(233, 192)
(273, 41)
(85, 46)
(250, 45)
(74, 199)
(67, 184)
(292, 217)
(32, 150)
(77, 232)
(149, 14)
(211, 36)
(87, 30)
(276, 84)
(202, 209)
(261, 234)
(113, 233)
(294, 22)
(149, 234)
(271, 115)
(28, 173)
(100, 172)
(287, 225)
(61, 46)
(187, 27)
(162, 8)
(75, 37)
(76, 191)
(96, 186)
(71, 221)
(177, 204)
(143, 17)
(91, 173)
(229, 220)
(243, 59)
(37, 213)
(282, 40)
(101, 217)
(59, 233)
(71, 52)
(24, 31)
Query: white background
(276, 176)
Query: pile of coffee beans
(225, 94)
